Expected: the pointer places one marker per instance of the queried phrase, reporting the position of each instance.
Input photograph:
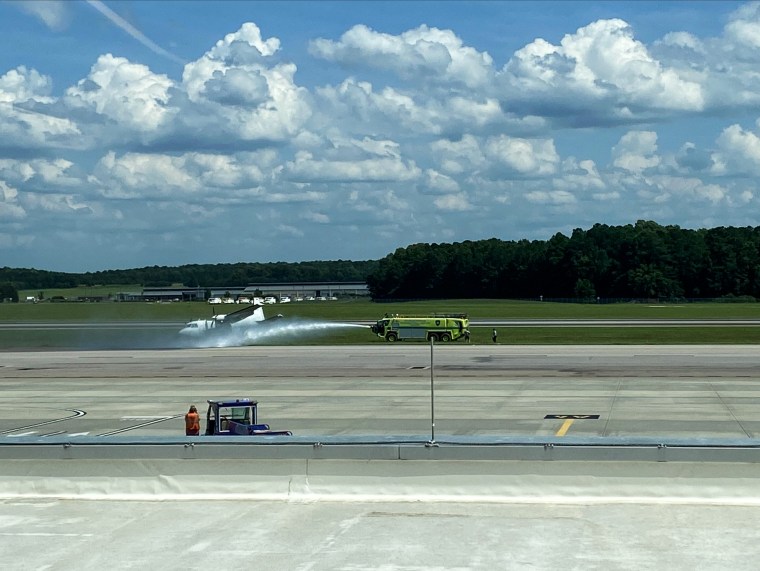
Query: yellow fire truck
(439, 327)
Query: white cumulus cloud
(524, 157)
(600, 70)
(636, 151)
(551, 197)
(738, 152)
(305, 167)
(9, 207)
(455, 202)
(22, 84)
(423, 53)
(124, 92)
(239, 83)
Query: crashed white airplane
(240, 319)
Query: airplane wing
(241, 314)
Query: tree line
(642, 260)
(194, 275)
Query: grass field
(172, 315)
(365, 310)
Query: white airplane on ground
(240, 319)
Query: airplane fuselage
(220, 322)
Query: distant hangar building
(306, 289)
(279, 289)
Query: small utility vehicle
(237, 417)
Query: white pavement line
(27, 534)
(77, 413)
(158, 419)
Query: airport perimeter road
(478, 390)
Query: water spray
(282, 329)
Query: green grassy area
(152, 338)
(510, 309)
(621, 335)
(363, 310)
(174, 314)
(104, 311)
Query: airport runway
(478, 390)
(204, 508)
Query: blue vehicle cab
(237, 417)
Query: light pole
(432, 441)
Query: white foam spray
(283, 329)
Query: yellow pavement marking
(565, 427)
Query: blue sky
(167, 133)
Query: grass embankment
(173, 314)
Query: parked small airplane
(242, 318)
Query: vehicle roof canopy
(232, 402)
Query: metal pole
(432, 395)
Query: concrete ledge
(384, 469)
(380, 480)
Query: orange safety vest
(192, 424)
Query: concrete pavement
(93, 463)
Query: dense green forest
(195, 275)
(642, 260)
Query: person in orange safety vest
(192, 422)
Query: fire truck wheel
(445, 337)
(391, 337)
